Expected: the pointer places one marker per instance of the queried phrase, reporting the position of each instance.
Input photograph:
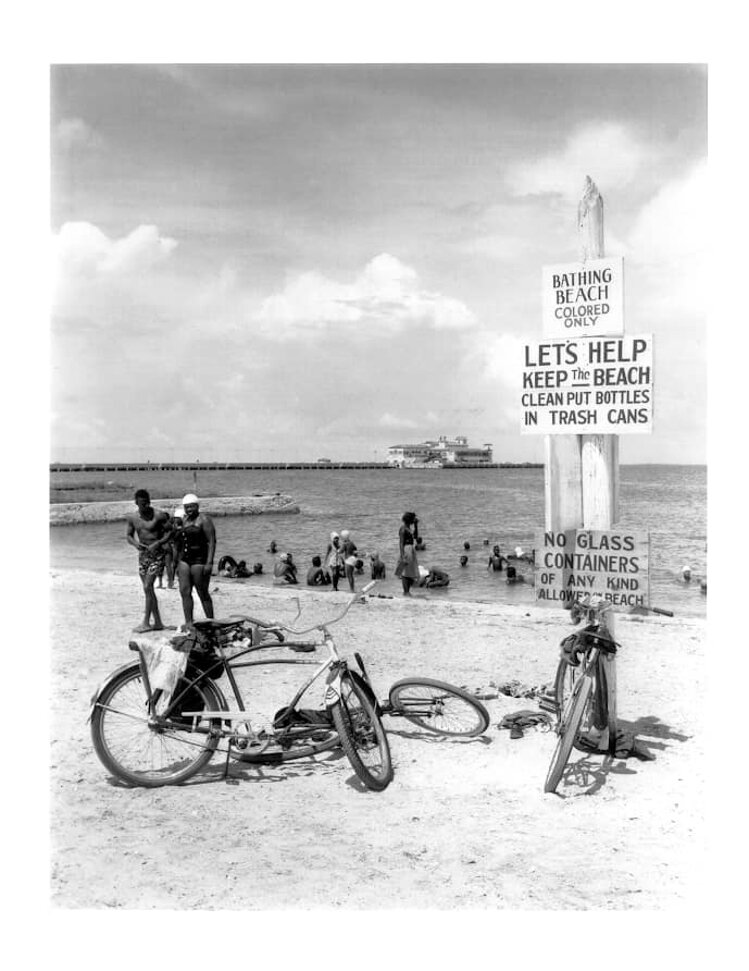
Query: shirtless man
(149, 530)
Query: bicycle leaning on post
(580, 693)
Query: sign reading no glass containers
(612, 564)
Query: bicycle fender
(366, 688)
(102, 685)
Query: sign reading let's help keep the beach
(604, 563)
(583, 299)
(592, 386)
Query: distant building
(444, 452)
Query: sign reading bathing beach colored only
(608, 564)
(583, 298)
(594, 385)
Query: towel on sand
(519, 720)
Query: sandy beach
(464, 824)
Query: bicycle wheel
(568, 731)
(150, 755)
(566, 678)
(438, 707)
(362, 735)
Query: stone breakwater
(74, 513)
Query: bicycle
(580, 697)
(147, 739)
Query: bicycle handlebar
(276, 625)
(598, 606)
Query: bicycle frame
(332, 663)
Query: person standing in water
(149, 530)
(408, 565)
(496, 560)
(334, 559)
(348, 547)
(197, 548)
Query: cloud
(666, 251)
(386, 295)
(72, 132)
(502, 359)
(608, 152)
(672, 226)
(392, 421)
(83, 249)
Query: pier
(262, 466)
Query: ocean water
(454, 506)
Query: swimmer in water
(272, 548)
(433, 577)
(513, 576)
(284, 571)
(686, 574)
(464, 560)
(496, 560)
(466, 545)
(316, 576)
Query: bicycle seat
(217, 624)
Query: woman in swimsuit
(334, 559)
(408, 565)
(197, 546)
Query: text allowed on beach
(604, 563)
(583, 298)
(595, 385)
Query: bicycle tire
(565, 680)
(127, 746)
(277, 753)
(568, 731)
(453, 711)
(362, 735)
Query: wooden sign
(612, 564)
(583, 299)
(591, 386)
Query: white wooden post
(599, 453)
(582, 471)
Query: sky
(284, 262)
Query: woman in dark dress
(408, 565)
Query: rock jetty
(73, 513)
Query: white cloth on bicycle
(164, 663)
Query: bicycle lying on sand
(580, 698)
(146, 738)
